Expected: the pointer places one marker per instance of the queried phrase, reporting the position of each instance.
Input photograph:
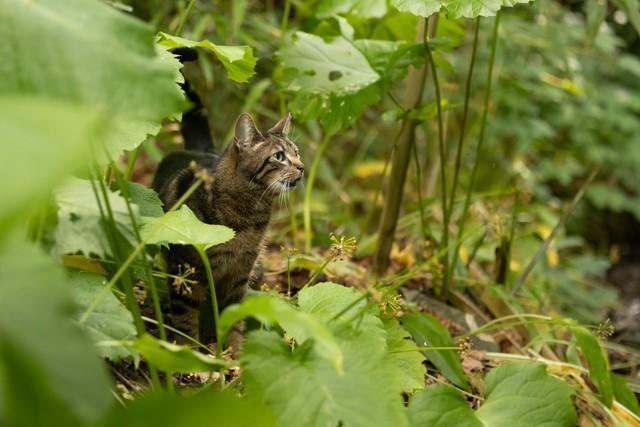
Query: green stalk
(444, 241)
(285, 18)
(214, 298)
(133, 157)
(136, 251)
(465, 112)
(183, 18)
(423, 222)
(545, 245)
(317, 273)
(308, 191)
(483, 125)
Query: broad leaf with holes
(182, 227)
(517, 395)
(46, 43)
(315, 66)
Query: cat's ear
(246, 131)
(282, 127)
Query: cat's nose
(300, 168)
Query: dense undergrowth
(501, 129)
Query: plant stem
(400, 161)
(133, 156)
(483, 124)
(465, 112)
(183, 18)
(123, 268)
(545, 245)
(288, 275)
(308, 191)
(423, 222)
(444, 240)
(285, 19)
(318, 271)
(214, 298)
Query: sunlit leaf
(418, 7)
(363, 8)
(182, 227)
(90, 55)
(237, 60)
(301, 326)
(315, 66)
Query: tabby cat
(244, 179)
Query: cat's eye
(279, 156)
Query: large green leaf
(429, 332)
(89, 54)
(315, 66)
(301, 326)
(363, 8)
(170, 357)
(42, 141)
(109, 321)
(182, 227)
(455, 8)
(207, 408)
(597, 361)
(623, 393)
(405, 356)
(80, 225)
(147, 200)
(237, 60)
(441, 406)
(304, 388)
(517, 395)
(47, 366)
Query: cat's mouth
(289, 184)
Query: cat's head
(268, 160)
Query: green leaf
(471, 8)
(424, 8)
(429, 332)
(623, 393)
(405, 356)
(441, 406)
(174, 358)
(47, 366)
(182, 227)
(517, 395)
(147, 200)
(304, 388)
(92, 56)
(80, 225)
(301, 326)
(109, 321)
(315, 66)
(363, 8)
(43, 141)
(597, 360)
(211, 407)
(237, 60)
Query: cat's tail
(195, 125)
(198, 145)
